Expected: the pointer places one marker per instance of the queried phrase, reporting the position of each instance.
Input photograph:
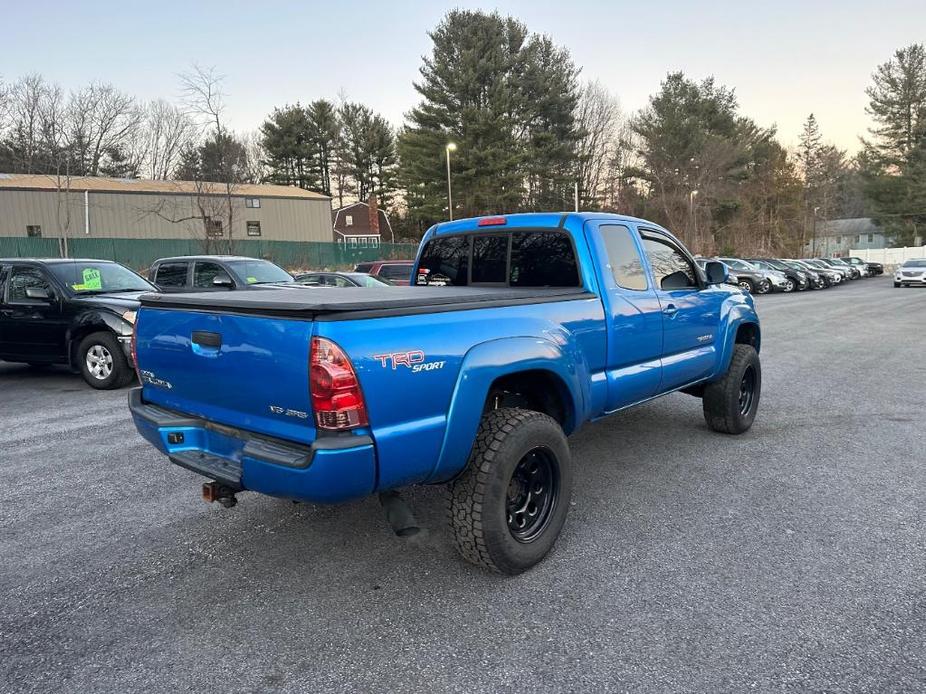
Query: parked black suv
(74, 312)
(197, 273)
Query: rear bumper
(330, 470)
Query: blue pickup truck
(515, 331)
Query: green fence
(140, 253)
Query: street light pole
(448, 149)
(691, 212)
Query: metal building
(92, 207)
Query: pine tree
(894, 160)
(292, 153)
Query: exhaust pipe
(399, 514)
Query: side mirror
(223, 281)
(717, 272)
(38, 293)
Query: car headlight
(129, 317)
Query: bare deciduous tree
(204, 99)
(103, 121)
(165, 131)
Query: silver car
(911, 273)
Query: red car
(394, 271)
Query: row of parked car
(765, 275)
(81, 313)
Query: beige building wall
(158, 216)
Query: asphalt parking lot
(791, 558)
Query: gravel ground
(791, 558)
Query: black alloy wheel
(533, 493)
(747, 390)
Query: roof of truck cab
(225, 258)
(50, 261)
(535, 220)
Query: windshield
(98, 277)
(915, 263)
(259, 272)
(367, 280)
(738, 264)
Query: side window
(396, 272)
(204, 273)
(171, 275)
(623, 256)
(490, 259)
(337, 281)
(446, 260)
(671, 269)
(542, 259)
(23, 278)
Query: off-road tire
(477, 499)
(121, 372)
(722, 399)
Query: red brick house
(361, 224)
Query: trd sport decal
(413, 360)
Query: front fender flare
(91, 322)
(734, 316)
(488, 361)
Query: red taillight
(336, 396)
(492, 221)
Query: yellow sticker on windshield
(92, 279)
(252, 280)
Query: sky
(785, 59)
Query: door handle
(204, 338)
(670, 310)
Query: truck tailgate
(249, 372)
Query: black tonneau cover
(341, 303)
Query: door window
(171, 275)
(205, 273)
(396, 272)
(671, 268)
(24, 278)
(623, 256)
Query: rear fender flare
(488, 361)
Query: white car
(912, 272)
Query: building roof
(344, 230)
(100, 184)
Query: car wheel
(102, 362)
(896, 284)
(730, 404)
(789, 286)
(746, 286)
(508, 507)
(764, 287)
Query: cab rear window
(516, 259)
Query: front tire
(764, 287)
(508, 507)
(102, 362)
(747, 286)
(789, 286)
(730, 404)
